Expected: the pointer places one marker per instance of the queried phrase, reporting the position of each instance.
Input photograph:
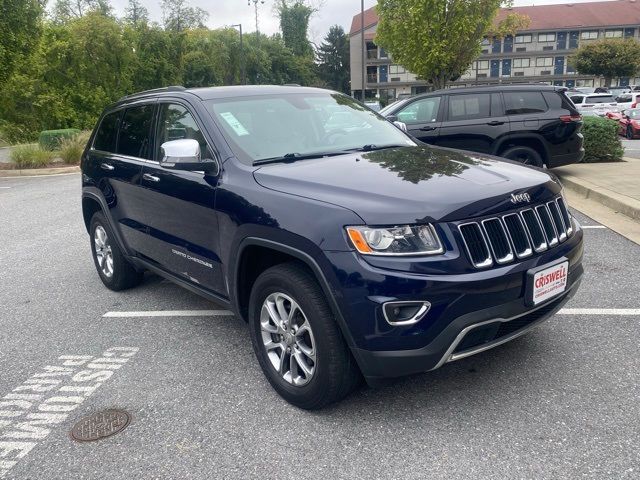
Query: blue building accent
(506, 67)
(561, 41)
(573, 39)
(558, 66)
(496, 46)
(384, 70)
(495, 68)
(508, 44)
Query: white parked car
(628, 100)
(594, 103)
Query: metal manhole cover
(100, 425)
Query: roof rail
(171, 88)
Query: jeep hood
(410, 184)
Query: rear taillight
(634, 105)
(571, 118)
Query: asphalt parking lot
(560, 402)
(631, 147)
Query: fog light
(405, 313)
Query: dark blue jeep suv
(350, 248)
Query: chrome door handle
(107, 166)
(151, 178)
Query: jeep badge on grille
(520, 197)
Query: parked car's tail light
(634, 104)
(571, 118)
(400, 240)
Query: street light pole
(364, 46)
(244, 78)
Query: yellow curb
(32, 172)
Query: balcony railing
(372, 78)
(372, 54)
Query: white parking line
(599, 311)
(593, 226)
(225, 313)
(169, 313)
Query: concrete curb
(33, 172)
(620, 203)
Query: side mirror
(401, 125)
(184, 154)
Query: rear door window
(518, 103)
(577, 99)
(623, 98)
(135, 132)
(600, 99)
(107, 133)
(469, 107)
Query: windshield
(302, 124)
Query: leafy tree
(178, 15)
(333, 59)
(154, 62)
(294, 23)
(67, 10)
(136, 13)
(610, 58)
(438, 39)
(20, 27)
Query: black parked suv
(532, 124)
(348, 248)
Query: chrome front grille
(502, 239)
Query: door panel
(473, 122)
(558, 68)
(561, 41)
(495, 68)
(180, 227)
(422, 118)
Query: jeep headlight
(401, 240)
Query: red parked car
(628, 122)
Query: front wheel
(115, 271)
(296, 340)
(525, 155)
(629, 132)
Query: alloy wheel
(288, 339)
(104, 254)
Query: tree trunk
(439, 82)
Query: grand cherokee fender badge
(520, 198)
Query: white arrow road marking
(170, 313)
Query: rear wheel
(525, 155)
(296, 340)
(629, 132)
(115, 271)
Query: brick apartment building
(538, 54)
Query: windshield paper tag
(234, 123)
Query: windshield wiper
(370, 147)
(290, 157)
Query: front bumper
(470, 312)
(465, 336)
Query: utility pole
(364, 47)
(244, 78)
(255, 6)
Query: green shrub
(71, 148)
(50, 139)
(30, 156)
(601, 140)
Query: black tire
(123, 274)
(524, 155)
(336, 373)
(629, 132)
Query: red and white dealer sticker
(550, 282)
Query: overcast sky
(330, 12)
